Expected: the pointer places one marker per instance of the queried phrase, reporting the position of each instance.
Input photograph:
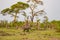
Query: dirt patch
(2, 33)
(53, 38)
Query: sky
(52, 7)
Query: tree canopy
(15, 8)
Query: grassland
(18, 34)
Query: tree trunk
(15, 16)
(32, 19)
(15, 20)
(38, 26)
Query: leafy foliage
(15, 9)
(20, 6)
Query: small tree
(26, 26)
(3, 23)
(45, 22)
(38, 24)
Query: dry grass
(17, 34)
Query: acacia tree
(15, 9)
(33, 6)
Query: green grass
(18, 34)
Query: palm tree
(15, 9)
